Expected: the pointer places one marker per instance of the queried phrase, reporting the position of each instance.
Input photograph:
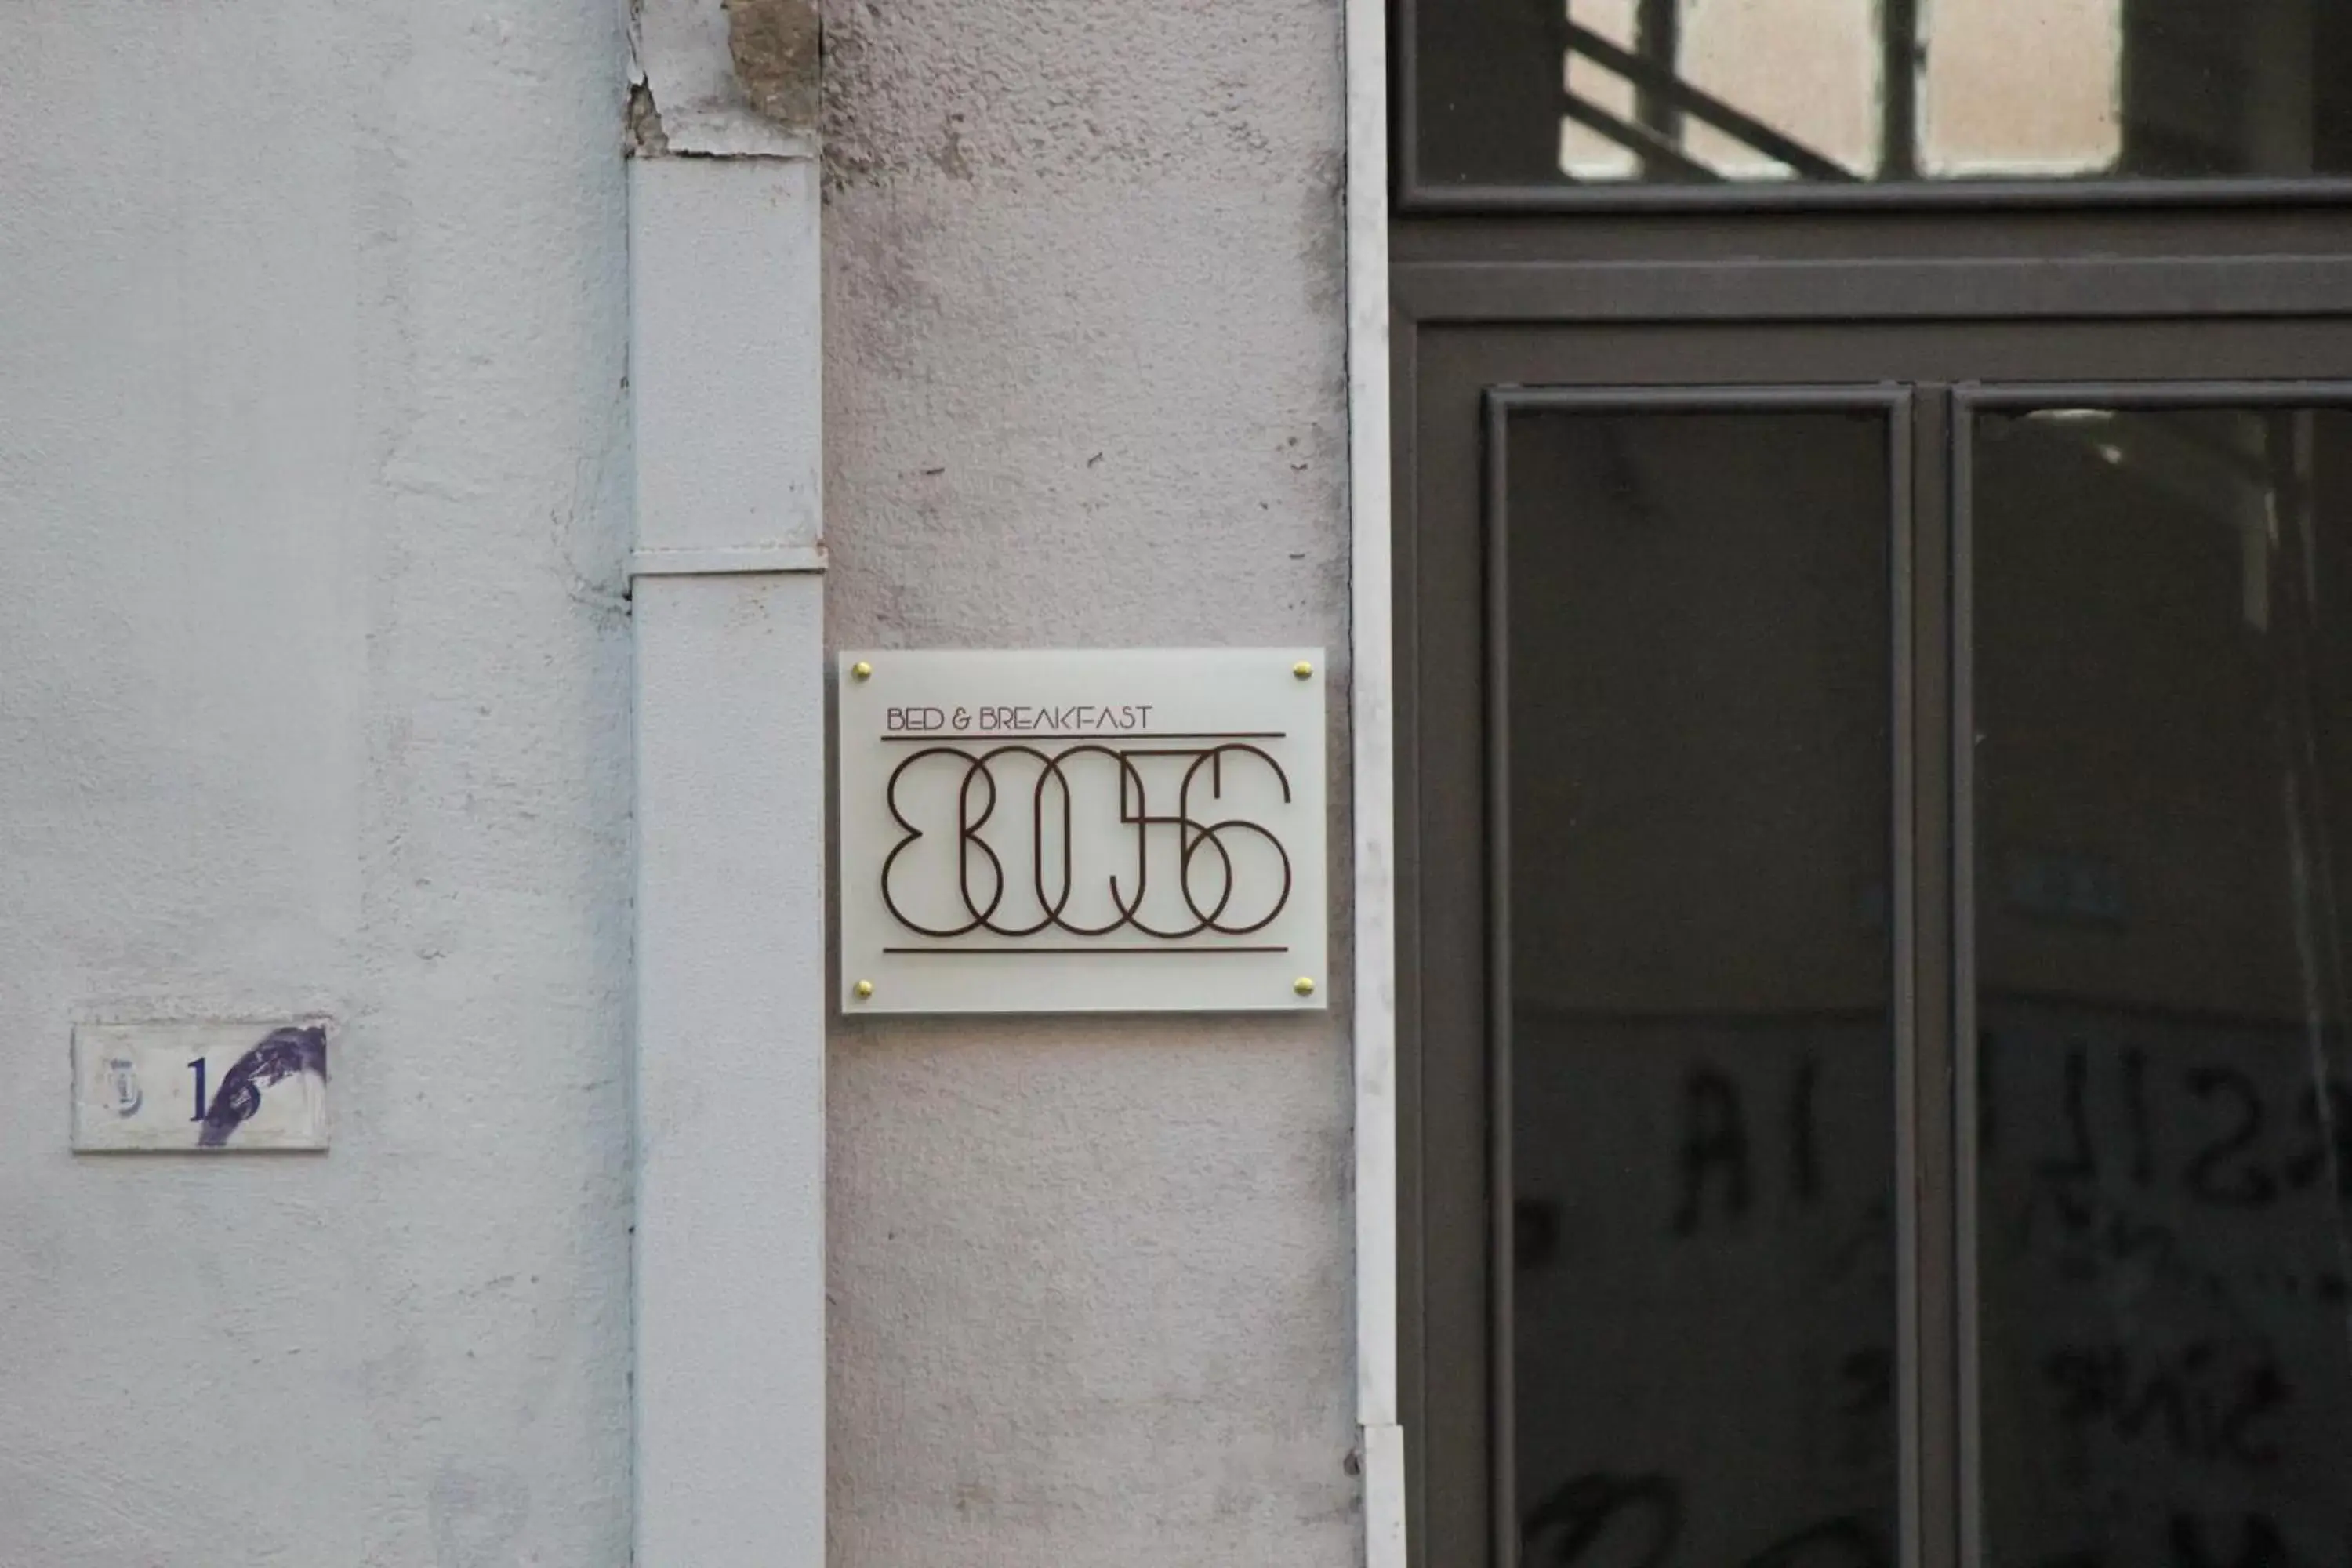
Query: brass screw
(863, 988)
(1302, 669)
(861, 669)
(1303, 986)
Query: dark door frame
(1746, 300)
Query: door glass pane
(1518, 93)
(1702, 1050)
(2163, 658)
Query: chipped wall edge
(724, 79)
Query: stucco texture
(1089, 1278)
(314, 696)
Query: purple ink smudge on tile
(280, 1055)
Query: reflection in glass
(1823, 93)
(1703, 1303)
(2164, 760)
(1518, 93)
(1810, 69)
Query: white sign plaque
(200, 1087)
(1136, 830)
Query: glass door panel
(1692, 621)
(2158, 604)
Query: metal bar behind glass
(1657, 38)
(1672, 89)
(1666, 160)
(1898, 154)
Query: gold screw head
(863, 988)
(861, 669)
(1303, 986)
(1302, 669)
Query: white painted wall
(1091, 1278)
(314, 694)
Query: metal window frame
(2071, 258)
(1931, 714)
(1686, 289)
(1415, 194)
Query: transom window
(1513, 102)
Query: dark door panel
(1701, 921)
(2158, 815)
(1690, 645)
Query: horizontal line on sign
(1102, 735)
(1090, 952)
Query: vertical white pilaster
(1373, 718)
(729, 1258)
